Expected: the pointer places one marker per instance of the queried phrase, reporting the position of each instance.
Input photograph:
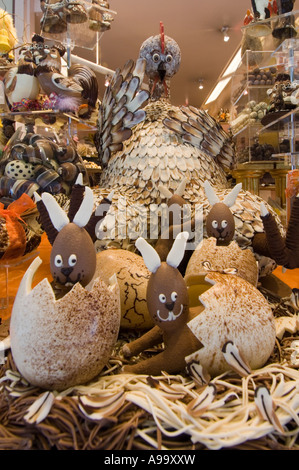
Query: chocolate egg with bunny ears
(220, 222)
(167, 294)
(73, 255)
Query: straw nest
(128, 412)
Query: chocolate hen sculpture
(72, 235)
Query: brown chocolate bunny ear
(284, 251)
(46, 220)
(76, 197)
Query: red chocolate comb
(162, 37)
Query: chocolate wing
(120, 109)
(198, 128)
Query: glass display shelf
(82, 31)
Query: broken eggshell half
(233, 311)
(57, 344)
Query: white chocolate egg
(18, 169)
(234, 311)
(57, 344)
(132, 277)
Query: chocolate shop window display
(241, 404)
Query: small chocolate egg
(46, 177)
(23, 186)
(18, 169)
(18, 151)
(66, 154)
(68, 171)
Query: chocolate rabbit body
(168, 305)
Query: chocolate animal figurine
(223, 332)
(72, 235)
(178, 221)
(284, 250)
(220, 220)
(168, 304)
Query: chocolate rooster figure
(78, 92)
(170, 143)
(166, 145)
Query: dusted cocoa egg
(132, 276)
(57, 344)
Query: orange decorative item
(292, 188)
(13, 232)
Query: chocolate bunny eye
(214, 224)
(224, 223)
(162, 298)
(72, 260)
(58, 261)
(174, 296)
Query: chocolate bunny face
(220, 222)
(167, 297)
(73, 255)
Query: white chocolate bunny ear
(177, 251)
(57, 215)
(264, 210)
(210, 193)
(149, 254)
(230, 199)
(85, 210)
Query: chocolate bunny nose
(66, 271)
(169, 306)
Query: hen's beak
(161, 71)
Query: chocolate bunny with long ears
(168, 305)
(220, 222)
(72, 235)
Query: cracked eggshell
(132, 277)
(234, 310)
(219, 258)
(57, 344)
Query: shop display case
(264, 110)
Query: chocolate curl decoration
(47, 224)
(99, 214)
(15, 230)
(292, 234)
(284, 251)
(76, 200)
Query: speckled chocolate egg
(132, 276)
(18, 169)
(57, 344)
